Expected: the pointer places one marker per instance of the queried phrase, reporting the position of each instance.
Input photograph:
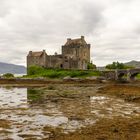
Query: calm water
(28, 118)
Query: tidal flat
(70, 112)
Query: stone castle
(75, 55)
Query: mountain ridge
(133, 63)
(12, 68)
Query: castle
(75, 55)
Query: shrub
(91, 66)
(8, 75)
(32, 70)
(35, 71)
(78, 73)
(53, 75)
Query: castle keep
(75, 55)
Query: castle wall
(84, 52)
(54, 61)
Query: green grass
(34, 72)
(138, 76)
(34, 95)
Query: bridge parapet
(132, 71)
(119, 74)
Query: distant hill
(11, 68)
(133, 64)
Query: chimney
(30, 52)
(82, 37)
(55, 53)
(68, 39)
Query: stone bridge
(120, 74)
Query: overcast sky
(112, 27)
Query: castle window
(61, 66)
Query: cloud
(111, 26)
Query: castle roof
(36, 54)
(76, 41)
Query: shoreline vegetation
(35, 71)
(38, 75)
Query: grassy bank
(35, 71)
(138, 76)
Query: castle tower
(76, 53)
(36, 58)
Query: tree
(8, 75)
(91, 66)
(117, 65)
(32, 70)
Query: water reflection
(29, 111)
(13, 97)
(106, 107)
(18, 105)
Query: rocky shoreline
(75, 110)
(40, 81)
(43, 81)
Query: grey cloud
(35, 25)
(4, 8)
(92, 17)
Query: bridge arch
(133, 73)
(133, 76)
(121, 74)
